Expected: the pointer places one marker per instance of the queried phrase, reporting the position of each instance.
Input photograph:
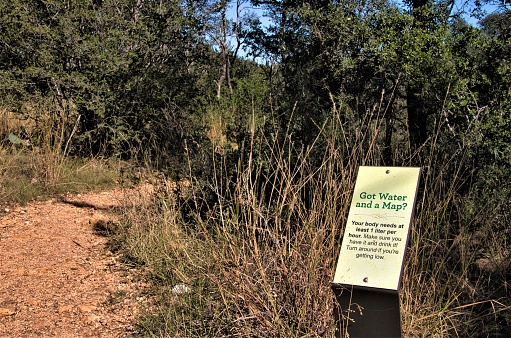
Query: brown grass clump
(255, 251)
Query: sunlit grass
(27, 174)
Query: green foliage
(116, 68)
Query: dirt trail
(57, 277)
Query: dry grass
(40, 165)
(26, 175)
(257, 251)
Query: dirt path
(57, 277)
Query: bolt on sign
(373, 247)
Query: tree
(120, 67)
(496, 93)
(226, 35)
(46, 55)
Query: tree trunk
(416, 105)
(417, 118)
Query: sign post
(368, 274)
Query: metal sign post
(368, 274)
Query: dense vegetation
(260, 129)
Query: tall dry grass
(252, 254)
(40, 165)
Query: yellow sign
(377, 228)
